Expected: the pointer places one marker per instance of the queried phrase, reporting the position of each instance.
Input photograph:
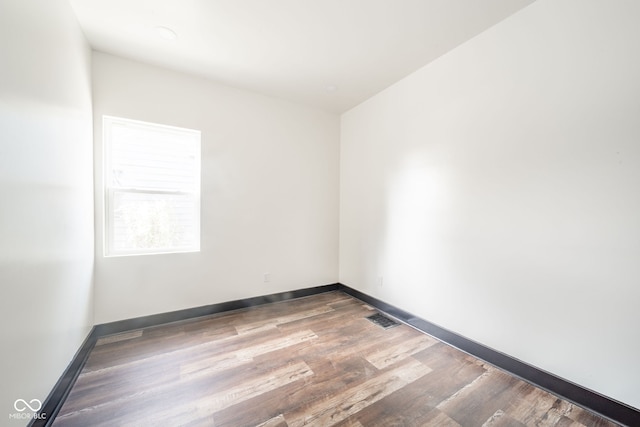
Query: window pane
(144, 157)
(152, 187)
(147, 221)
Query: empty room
(338, 212)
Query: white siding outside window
(152, 188)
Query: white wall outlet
(380, 280)
(266, 277)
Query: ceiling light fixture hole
(166, 33)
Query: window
(152, 188)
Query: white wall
(497, 192)
(269, 193)
(46, 197)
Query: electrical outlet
(266, 277)
(380, 280)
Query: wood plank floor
(313, 361)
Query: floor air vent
(382, 321)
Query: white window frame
(110, 191)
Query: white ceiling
(294, 49)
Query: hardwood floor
(311, 361)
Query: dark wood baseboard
(612, 409)
(52, 404)
(206, 310)
(607, 407)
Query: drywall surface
(269, 200)
(46, 199)
(496, 192)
